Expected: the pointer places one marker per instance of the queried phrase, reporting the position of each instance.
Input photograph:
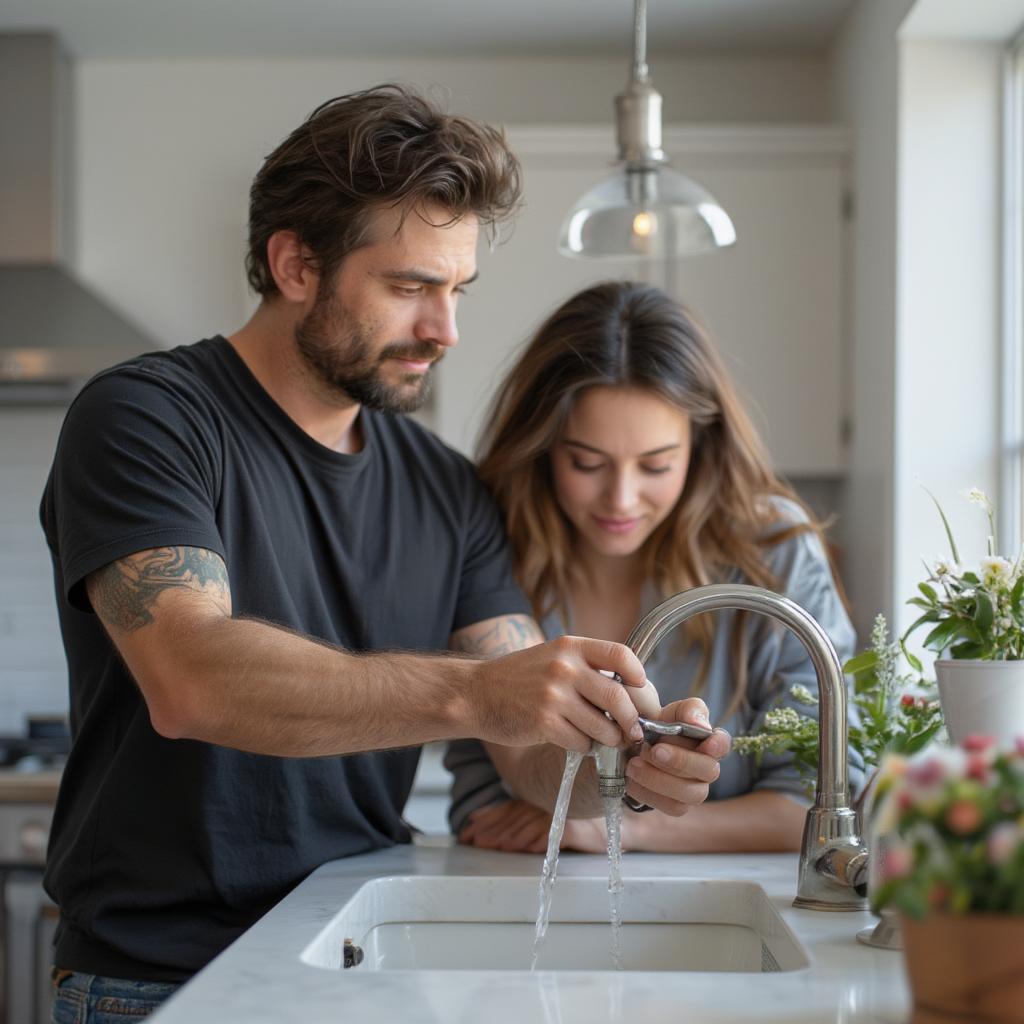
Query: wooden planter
(967, 969)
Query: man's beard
(340, 352)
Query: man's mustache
(414, 351)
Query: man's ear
(291, 267)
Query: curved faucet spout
(832, 855)
(833, 788)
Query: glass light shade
(645, 212)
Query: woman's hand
(516, 826)
(512, 825)
(674, 774)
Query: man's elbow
(174, 700)
(168, 720)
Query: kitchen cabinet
(773, 302)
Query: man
(237, 524)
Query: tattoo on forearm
(125, 592)
(504, 636)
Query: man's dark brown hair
(385, 147)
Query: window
(1012, 470)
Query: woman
(626, 471)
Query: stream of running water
(613, 822)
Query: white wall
(863, 90)
(923, 104)
(948, 322)
(165, 152)
(167, 149)
(33, 677)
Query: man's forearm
(253, 686)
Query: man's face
(387, 315)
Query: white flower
(944, 567)
(996, 572)
(977, 496)
(879, 632)
(782, 720)
(803, 696)
(750, 744)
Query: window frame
(1011, 483)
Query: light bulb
(643, 224)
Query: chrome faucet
(833, 858)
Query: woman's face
(619, 466)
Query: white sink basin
(423, 923)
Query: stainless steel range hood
(55, 333)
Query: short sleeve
(487, 587)
(136, 467)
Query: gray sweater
(777, 661)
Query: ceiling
(330, 28)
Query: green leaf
(929, 592)
(928, 617)
(945, 523)
(939, 637)
(972, 632)
(919, 602)
(862, 661)
(983, 613)
(970, 577)
(920, 740)
(968, 649)
(864, 682)
(912, 659)
(1016, 595)
(883, 896)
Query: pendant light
(645, 210)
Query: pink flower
(907, 700)
(1020, 746)
(927, 773)
(978, 766)
(963, 817)
(896, 862)
(977, 742)
(1002, 843)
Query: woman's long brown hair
(626, 334)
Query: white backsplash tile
(33, 673)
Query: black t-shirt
(163, 851)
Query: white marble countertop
(260, 978)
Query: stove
(30, 770)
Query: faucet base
(833, 862)
(811, 903)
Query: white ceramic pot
(982, 698)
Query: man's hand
(674, 774)
(556, 693)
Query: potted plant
(950, 860)
(892, 706)
(976, 627)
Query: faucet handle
(655, 730)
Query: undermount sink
(421, 923)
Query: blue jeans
(90, 999)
